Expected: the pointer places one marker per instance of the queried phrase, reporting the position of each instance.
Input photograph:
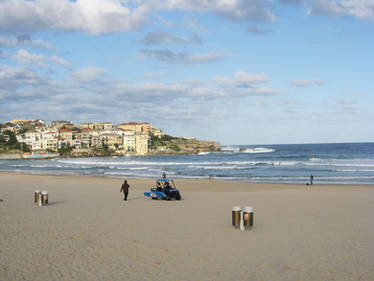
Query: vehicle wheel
(167, 198)
(178, 197)
(154, 198)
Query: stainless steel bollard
(44, 197)
(248, 216)
(236, 216)
(36, 196)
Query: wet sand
(87, 232)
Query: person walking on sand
(125, 189)
(311, 179)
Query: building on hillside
(66, 136)
(113, 141)
(60, 124)
(157, 132)
(103, 126)
(19, 121)
(32, 139)
(136, 127)
(128, 137)
(85, 137)
(141, 143)
(49, 139)
(96, 139)
(77, 143)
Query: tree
(65, 150)
(12, 138)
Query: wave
(218, 167)
(259, 150)
(230, 149)
(354, 170)
(163, 163)
(339, 164)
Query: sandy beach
(87, 232)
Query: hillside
(169, 144)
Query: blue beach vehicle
(165, 189)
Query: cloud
(14, 81)
(158, 38)
(241, 79)
(255, 30)
(108, 16)
(360, 9)
(24, 57)
(347, 102)
(306, 83)
(291, 2)
(238, 10)
(168, 56)
(24, 40)
(89, 93)
(90, 16)
(88, 74)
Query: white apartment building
(128, 140)
(141, 143)
(32, 139)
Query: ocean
(341, 163)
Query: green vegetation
(9, 143)
(65, 151)
(171, 144)
(175, 147)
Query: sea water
(343, 163)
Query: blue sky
(234, 71)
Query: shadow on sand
(134, 198)
(55, 203)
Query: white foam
(339, 164)
(259, 150)
(354, 170)
(203, 153)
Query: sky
(233, 71)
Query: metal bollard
(44, 197)
(236, 216)
(36, 196)
(248, 216)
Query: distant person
(164, 175)
(311, 179)
(125, 189)
(159, 187)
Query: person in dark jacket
(125, 189)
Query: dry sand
(88, 232)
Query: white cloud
(91, 16)
(107, 16)
(246, 78)
(57, 60)
(24, 57)
(266, 91)
(88, 74)
(23, 40)
(242, 78)
(306, 83)
(154, 75)
(158, 38)
(258, 31)
(182, 57)
(361, 9)
(89, 94)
